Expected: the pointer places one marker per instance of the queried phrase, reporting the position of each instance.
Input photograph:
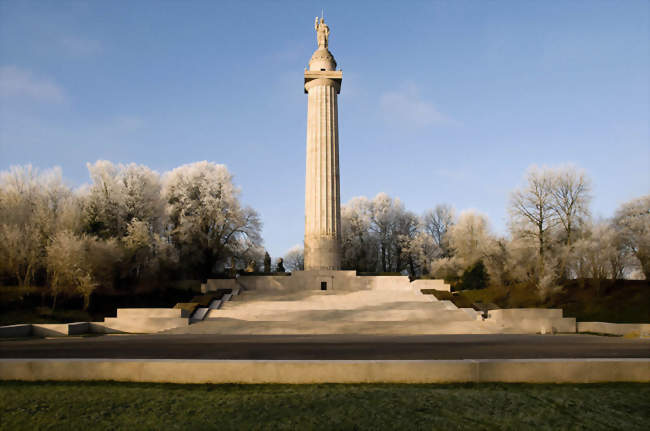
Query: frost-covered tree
(522, 259)
(470, 237)
(120, 193)
(547, 216)
(32, 208)
(20, 252)
(632, 222)
(208, 223)
(436, 223)
(358, 244)
(394, 228)
(68, 267)
(380, 234)
(620, 260)
(384, 213)
(551, 208)
(145, 250)
(571, 190)
(106, 259)
(594, 253)
(406, 231)
(422, 250)
(142, 197)
(294, 259)
(470, 241)
(104, 203)
(532, 209)
(121, 220)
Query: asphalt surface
(341, 347)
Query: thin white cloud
(407, 107)
(17, 82)
(80, 46)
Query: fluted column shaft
(322, 198)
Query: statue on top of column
(322, 32)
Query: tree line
(129, 226)
(551, 238)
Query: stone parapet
(329, 371)
(128, 313)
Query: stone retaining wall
(634, 329)
(532, 320)
(323, 371)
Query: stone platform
(342, 302)
(319, 303)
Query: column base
(322, 253)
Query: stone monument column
(322, 188)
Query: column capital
(332, 77)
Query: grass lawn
(132, 406)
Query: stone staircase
(200, 313)
(390, 305)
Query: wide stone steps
(328, 305)
(385, 305)
(413, 327)
(345, 301)
(353, 315)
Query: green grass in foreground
(132, 406)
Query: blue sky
(442, 102)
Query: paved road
(327, 347)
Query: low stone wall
(323, 371)
(169, 313)
(532, 320)
(15, 331)
(50, 329)
(634, 329)
(44, 329)
(392, 283)
(310, 280)
(128, 320)
(142, 325)
(511, 314)
(101, 328)
(144, 320)
(542, 326)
